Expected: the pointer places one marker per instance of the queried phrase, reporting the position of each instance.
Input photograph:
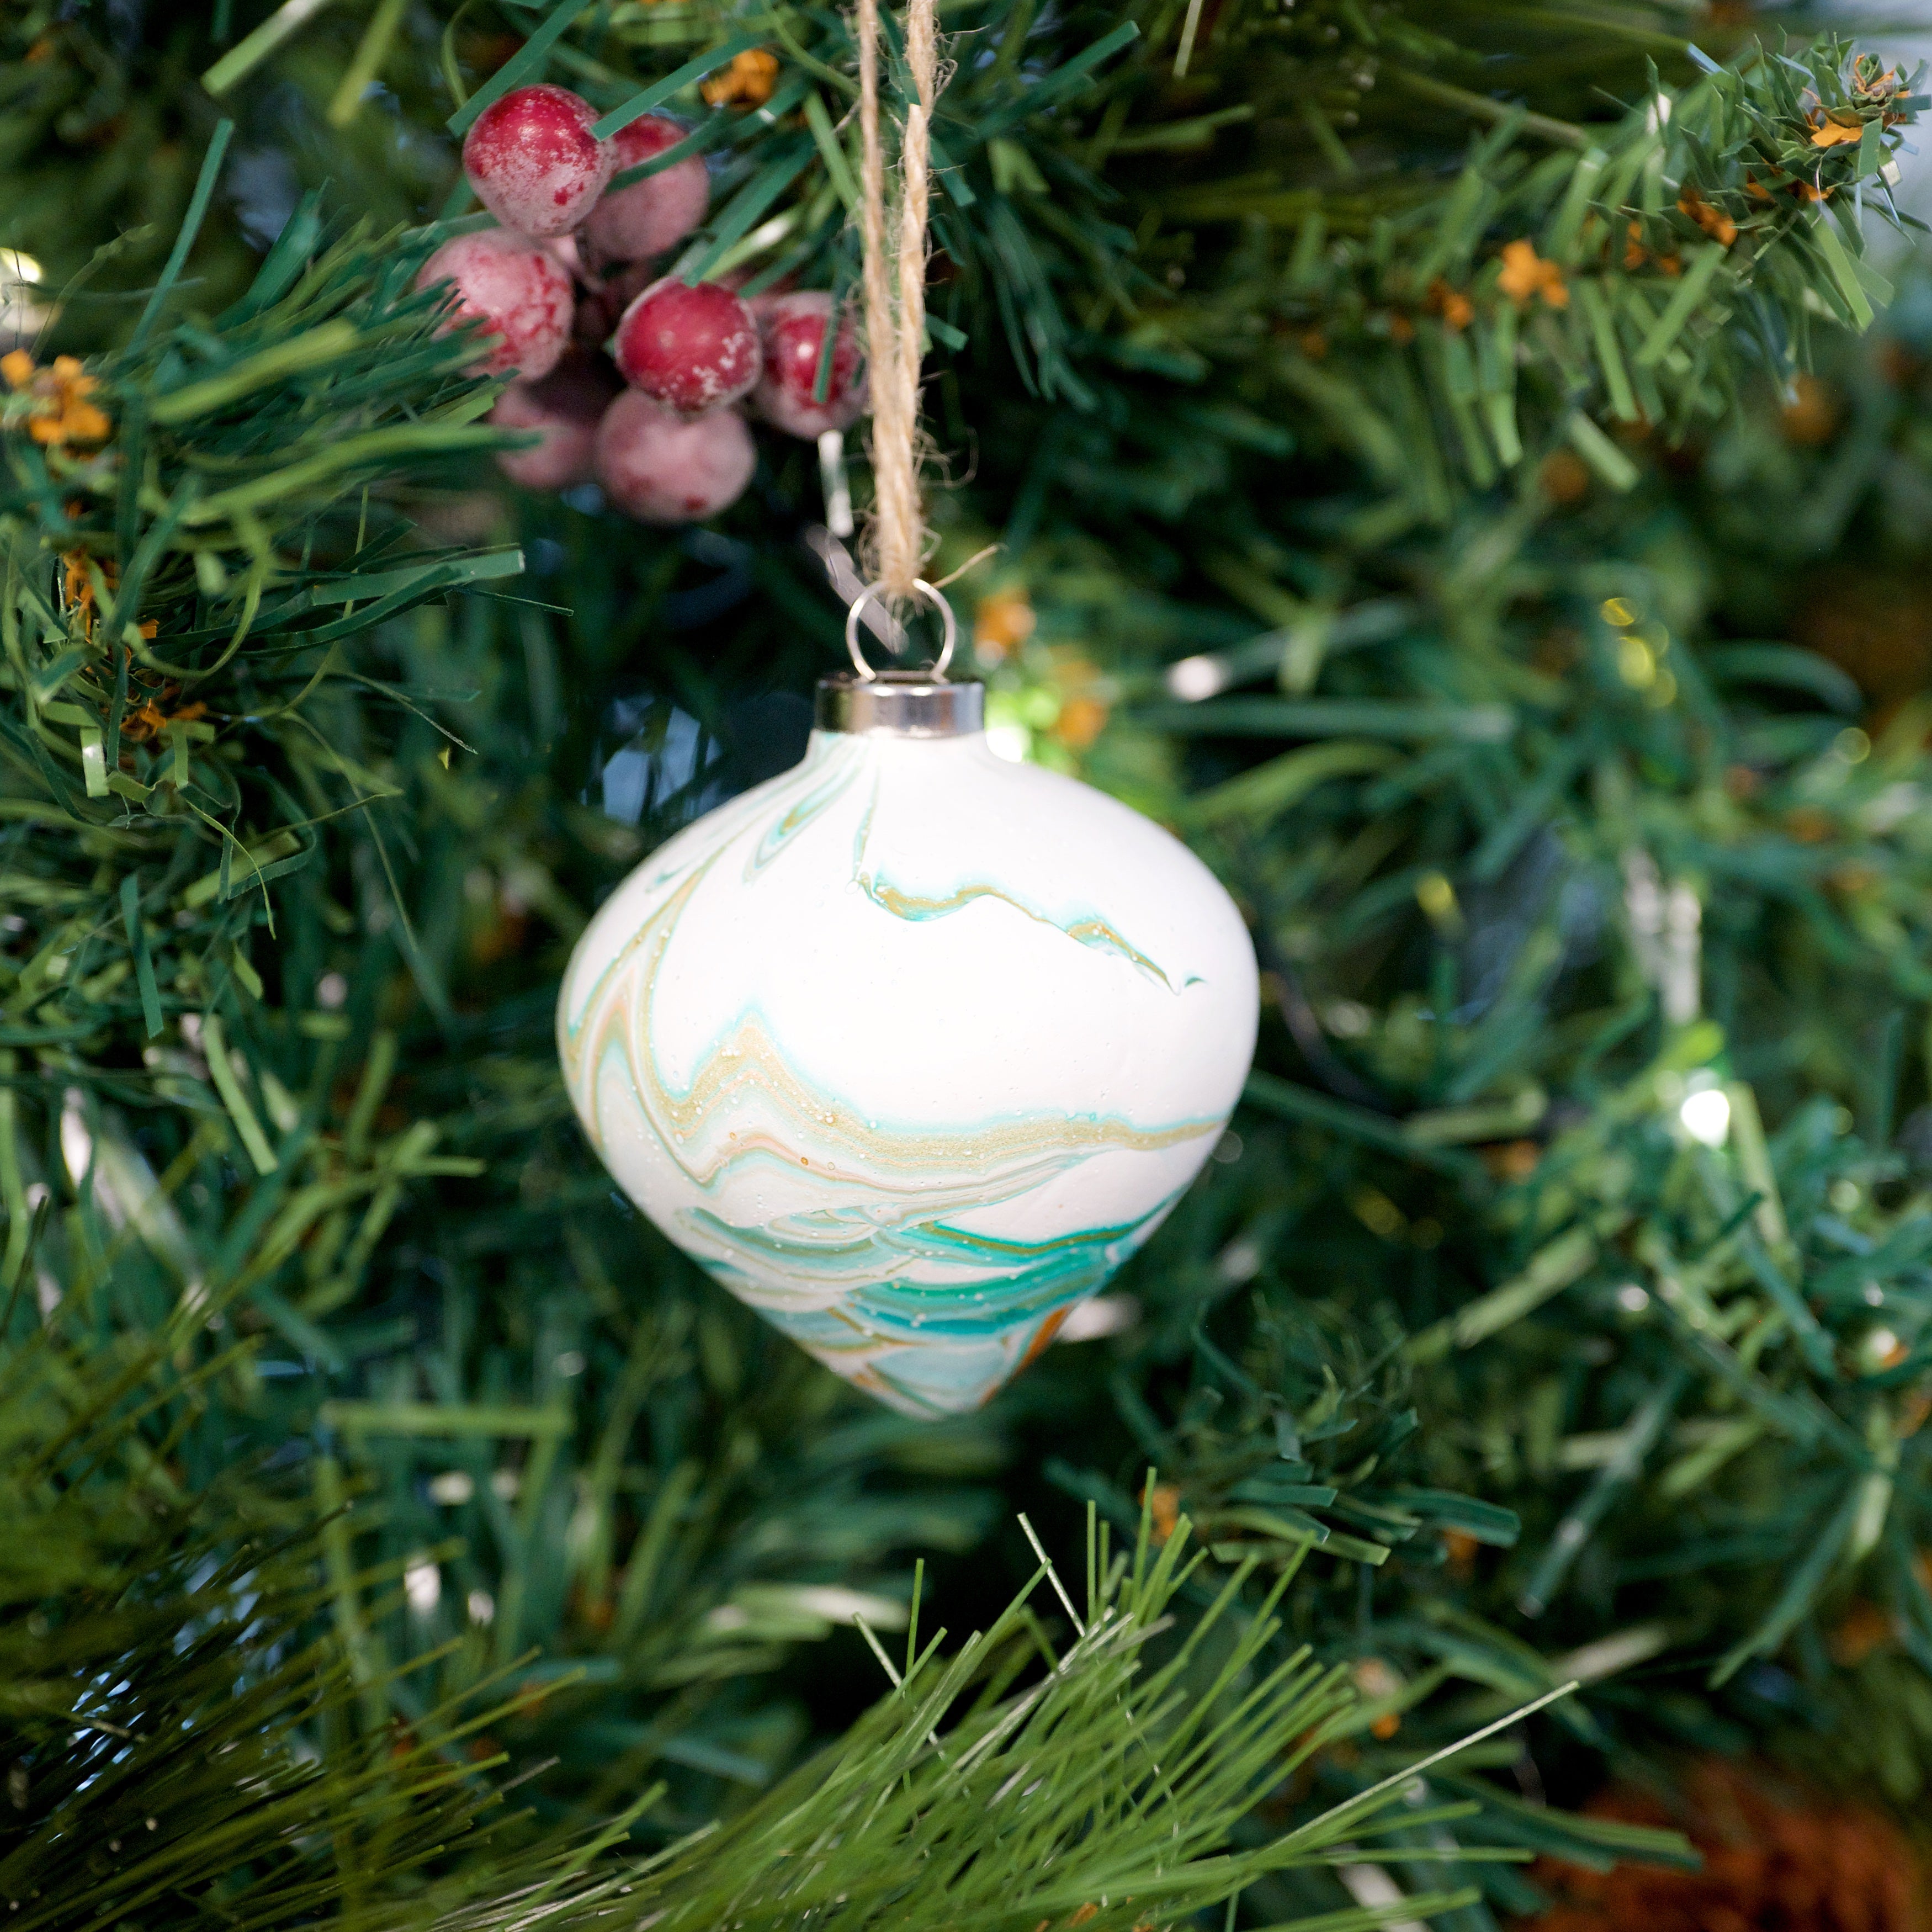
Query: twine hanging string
(895, 288)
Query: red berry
(653, 215)
(564, 408)
(515, 290)
(692, 348)
(533, 161)
(661, 467)
(794, 329)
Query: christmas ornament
(793, 329)
(661, 467)
(694, 346)
(564, 408)
(534, 162)
(630, 224)
(906, 1078)
(516, 291)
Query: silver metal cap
(901, 704)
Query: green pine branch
(1431, 750)
(177, 1723)
(1011, 1781)
(1617, 283)
(173, 1725)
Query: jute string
(895, 288)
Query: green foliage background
(1515, 628)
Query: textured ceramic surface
(911, 1048)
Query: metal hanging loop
(934, 600)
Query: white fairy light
(1372, 1887)
(1105, 1315)
(1643, 907)
(1706, 1112)
(1666, 929)
(422, 1584)
(1239, 1262)
(1195, 678)
(1682, 985)
(832, 478)
(76, 1142)
(22, 318)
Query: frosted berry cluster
(628, 377)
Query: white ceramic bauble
(911, 1047)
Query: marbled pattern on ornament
(911, 1048)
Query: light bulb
(1705, 1113)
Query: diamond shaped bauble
(911, 1048)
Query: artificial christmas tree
(1385, 424)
